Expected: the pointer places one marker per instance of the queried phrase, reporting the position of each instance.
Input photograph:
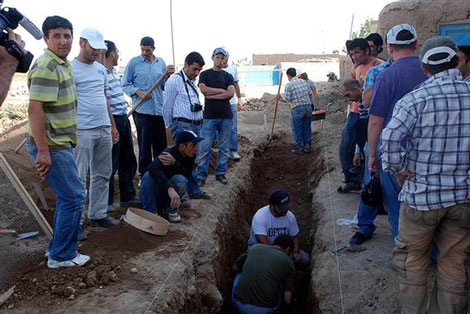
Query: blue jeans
(248, 308)
(178, 126)
(347, 147)
(210, 129)
(64, 181)
(366, 214)
(234, 134)
(301, 122)
(153, 197)
(390, 191)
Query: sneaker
(131, 203)
(349, 187)
(298, 151)
(235, 156)
(307, 149)
(185, 204)
(79, 260)
(105, 222)
(203, 196)
(173, 216)
(221, 178)
(81, 234)
(358, 238)
(201, 182)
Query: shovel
(20, 236)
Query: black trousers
(151, 138)
(361, 132)
(124, 161)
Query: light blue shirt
(176, 103)
(91, 84)
(141, 74)
(233, 71)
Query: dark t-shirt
(264, 269)
(216, 108)
(393, 83)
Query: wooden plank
(19, 187)
(4, 297)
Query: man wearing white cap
(96, 130)
(391, 85)
(434, 170)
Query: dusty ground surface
(188, 271)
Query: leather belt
(195, 122)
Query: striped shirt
(467, 79)
(114, 94)
(435, 118)
(176, 101)
(50, 82)
(297, 92)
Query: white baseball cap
(94, 37)
(392, 34)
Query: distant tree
(336, 51)
(364, 30)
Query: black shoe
(81, 234)
(349, 187)
(221, 178)
(105, 222)
(298, 151)
(203, 196)
(131, 203)
(201, 182)
(307, 149)
(358, 238)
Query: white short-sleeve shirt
(264, 223)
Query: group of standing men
(417, 143)
(79, 130)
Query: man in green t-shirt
(266, 275)
(51, 135)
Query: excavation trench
(270, 168)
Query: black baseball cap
(187, 136)
(147, 41)
(280, 198)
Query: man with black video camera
(8, 65)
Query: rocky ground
(188, 271)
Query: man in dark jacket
(169, 177)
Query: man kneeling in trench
(265, 277)
(276, 219)
(169, 177)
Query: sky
(244, 27)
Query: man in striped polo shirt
(123, 151)
(52, 134)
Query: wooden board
(19, 187)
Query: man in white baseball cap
(433, 170)
(96, 129)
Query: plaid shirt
(373, 72)
(297, 92)
(435, 118)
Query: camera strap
(186, 87)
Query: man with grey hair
(433, 172)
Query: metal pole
(352, 23)
(171, 26)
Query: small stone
(72, 297)
(68, 291)
(10, 306)
(134, 270)
(34, 280)
(77, 281)
(105, 278)
(82, 285)
(91, 279)
(58, 290)
(113, 277)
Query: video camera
(10, 17)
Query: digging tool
(350, 248)
(17, 149)
(20, 236)
(275, 110)
(139, 102)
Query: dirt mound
(124, 238)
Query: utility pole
(352, 23)
(171, 27)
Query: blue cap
(220, 50)
(187, 136)
(280, 198)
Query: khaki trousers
(412, 257)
